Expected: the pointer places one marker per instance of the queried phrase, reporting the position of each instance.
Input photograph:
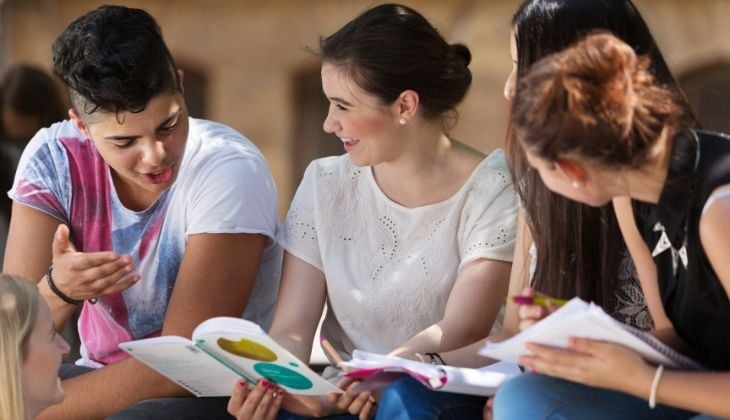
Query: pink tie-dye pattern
(149, 237)
(47, 198)
(102, 326)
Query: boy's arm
(28, 254)
(216, 277)
(35, 241)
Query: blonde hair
(18, 311)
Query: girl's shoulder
(333, 170)
(492, 173)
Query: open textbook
(580, 319)
(377, 371)
(222, 351)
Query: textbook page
(188, 366)
(580, 319)
(222, 351)
(245, 348)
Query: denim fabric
(532, 396)
(408, 399)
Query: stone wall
(250, 55)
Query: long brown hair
(579, 248)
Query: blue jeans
(532, 396)
(408, 399)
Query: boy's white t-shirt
(390, 269)
(224, 185)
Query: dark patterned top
(693, 296)
(628, 304)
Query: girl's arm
(615, 367)
(478, 293)
(646, 270)
(715, 237)
(519, 279)
(612, 366)
(299, 306)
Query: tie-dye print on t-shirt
(62, 174)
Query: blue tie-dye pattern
(172, 244)
(147, 301)
(43, 173)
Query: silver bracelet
(655, 385)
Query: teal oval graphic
(282, 376)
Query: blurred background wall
(247, 66)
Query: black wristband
(59, 293)
(434, 357)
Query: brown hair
(596, 99)
(392, 48)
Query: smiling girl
(30, 351)
(408, 236)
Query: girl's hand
(262, 402)
(88, 275)
(361, 405)
(594, 363)
(530, 314)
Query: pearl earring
(576, 184)
(402, 121)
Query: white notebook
(580, 319)
(377, 371)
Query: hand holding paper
(580, 319)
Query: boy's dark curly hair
(114, 59)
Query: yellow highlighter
(538, 300)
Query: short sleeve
(233, 195)
(490, 215)
(42, 180)
(299, 233)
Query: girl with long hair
(596, 124)
(30, 351)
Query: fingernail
(265, 383)
(242, 383)
(280, 393)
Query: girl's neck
(424, 150)
(429, 169)
(646, 183)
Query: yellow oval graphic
(248, 349)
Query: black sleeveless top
(693, 296)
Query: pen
(538, 300)
(331, 353)
(335, 358)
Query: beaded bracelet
(59, 293)
(434, 357)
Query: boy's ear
(180, 77)
(80, 124)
